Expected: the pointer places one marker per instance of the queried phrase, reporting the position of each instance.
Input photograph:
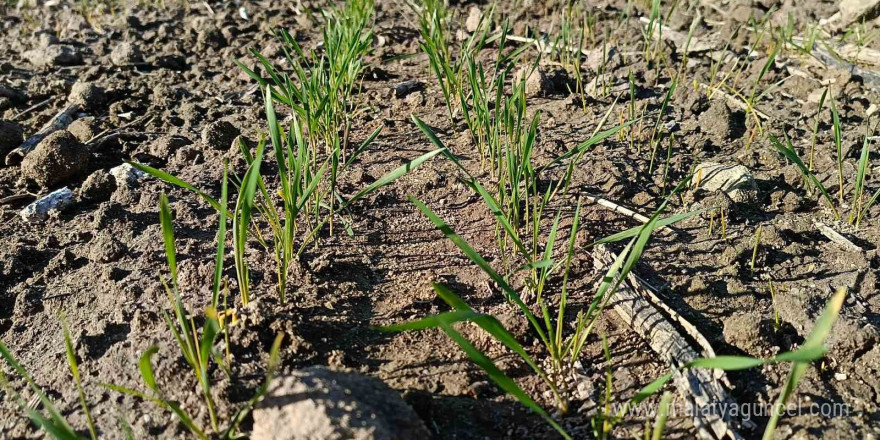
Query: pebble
(734, 180)
(473, 19)
(51, 204)
(54, 55)
(127, 175)
(88, 95)
(537, 82)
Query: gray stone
(734, 180)
(54, 55)
(319, 403)
(52, 204)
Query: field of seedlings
(439, 219)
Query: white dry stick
(710, 405)
(734, 101)
(53, 203)
(834, 236)
(623, 210)
(59, 122)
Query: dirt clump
(97, 187)
(219, 135)
(53, 56)
(720, 123)
(125, 54)
(88, 95)
(319, 403)
(56, 159)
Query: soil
(98, 263)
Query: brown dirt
(98, 263)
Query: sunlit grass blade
(444, 321)
(788, 151)
(162, 175)
(221, 241)
(475, 257)
(55, 424)
(77, 380)
(816, 338)
(632, 232)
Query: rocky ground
(155, 82)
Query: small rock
(97, 187)
(125, 54)
(415, 99)
(839, 377)
(88, 95)
(219, 134)
(537, 82)
(319, 403)
(56, 158)
(52, 204)
(55, 55)
(11, 136)
(405, 88)
(473, 19)
(126, 175)
(734, 180)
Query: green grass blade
(589, 143)
(727, 363)
(392, 176)
(145, 366)
(77, 380)
(502, 380)
(55, 423)
(815, 339)
(788, 151)
(632, 232)
(466, 248)
(162, 175)
(221, 240)
(168, 237)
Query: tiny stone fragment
(52, 204)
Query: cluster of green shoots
(859, 201)
(194, 337)
(309, 154)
